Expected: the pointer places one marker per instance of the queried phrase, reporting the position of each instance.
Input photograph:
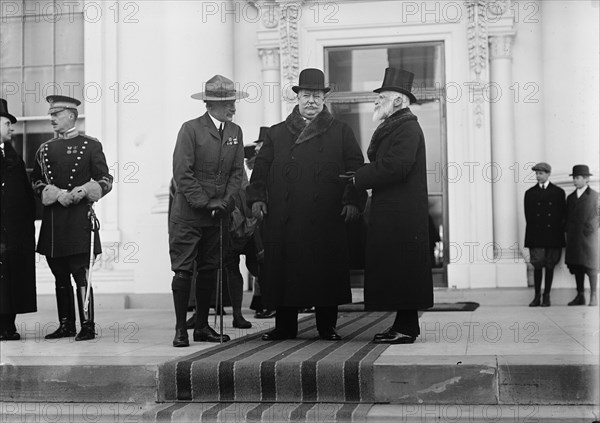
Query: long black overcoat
(582, 230)
(545, 214)
(398, 267)
(306, 246)
(17, 286)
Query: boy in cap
(70, 174)
(545, 214)
(582, 234)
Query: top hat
(250, 150)
(311, 79)
(581, 170)
(398, 80)
(219, 88)
(4, 111)
(58, 103)
(542, 166)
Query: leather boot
(578, 300)
(86, 317)
(65, 304)
(547, 288)
(546, 299)
(537, 283)
(536, 300)
(235, 286)
(181, 295)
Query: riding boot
(537, 282)
(547, 287)
(235, 287)
(65, 304)
(181, 295)
(86, 317)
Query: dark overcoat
(205, 167)
(397, 268)
(545, 215)
(67, 163)
(297, 174)
(17, 285)
(582, 230)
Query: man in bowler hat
(398, 267)
(581, 254)
(17, 236)
(296, 189)
(208, 169)
(545, 214)
(70, 174)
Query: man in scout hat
(398, 266)
(17, 236)
(70, 174)
(296, 176)
(581, 254)
(545, 214)
(208, 168)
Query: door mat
(305, 369)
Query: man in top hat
(581, 255)
(397, 267)
(545, 214)
(296, 189)
(70, 174)
(17, 236)
(208, 169)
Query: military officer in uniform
(70, 174)
(208, 168)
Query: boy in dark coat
(582, 235)
(545, 213)
(17, 282)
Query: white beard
(383, 111)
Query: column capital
(501, 46)
(269, 58)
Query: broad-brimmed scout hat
(398, 80)
(58, 103)
(219, 88)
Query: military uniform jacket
(204, 168)
(545, 214)
(67, 163)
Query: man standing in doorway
(70, 174)
(545, 213)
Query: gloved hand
(65, 198)
(216, 204)
(90, 190)
(259, 209)
(50, 194)
(350, 212)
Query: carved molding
(501, 46)
(477, 41)
(289, 39)
(269, 58)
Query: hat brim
(407, 93)
(297, 88)
(10, 117)
(539, 169)
(208, 97)
(581, 174)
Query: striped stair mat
(305, 369)
(258, 412)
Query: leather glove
(259, 209)
(216, 204)
(65, 198)
(50, 194)
(350, 213)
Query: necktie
(221, 131)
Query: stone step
(116, 412)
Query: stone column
(272, 85)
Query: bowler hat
(311, 79)
(250, 150)
(4, 111)
(398, 80)
(219, 88)
(58, 103)
(581, 170)
(542, 166)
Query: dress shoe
(276, 335)
(181, 338)
(241, 323)
(64, 331)
(578, 300)
(9, 336)
(330, 334)
(86, 333)
(546, 300)
(306, 310)
(382, 335)
(536, 302)
(395, 338)
(208, 334)
(191, 322)
(265, 314)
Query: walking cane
(95, 225)
(219, 287)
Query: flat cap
(542, 166)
